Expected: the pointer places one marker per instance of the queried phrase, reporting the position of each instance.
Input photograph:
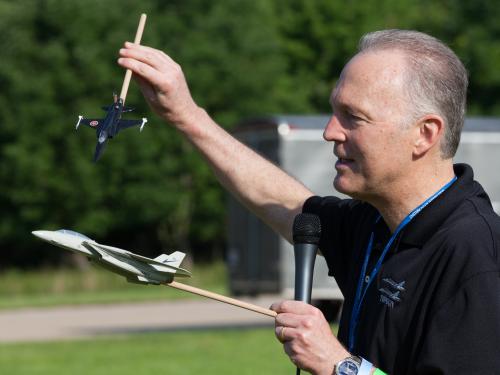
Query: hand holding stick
(221, 298)
(128, 73)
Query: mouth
(343, 163)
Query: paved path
(74, 322)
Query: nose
(43, 234)
(334, 131)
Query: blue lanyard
(367, 280)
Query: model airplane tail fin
(175, 259)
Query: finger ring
(282, 334)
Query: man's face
(372, 144)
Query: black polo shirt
(434, 307)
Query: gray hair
(436, 79)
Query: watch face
(347, 367)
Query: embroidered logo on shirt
(391, 291)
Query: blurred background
(151, 192)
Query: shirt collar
(425, 224)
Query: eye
(355, 117)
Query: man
(415, 252)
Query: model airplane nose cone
(43, 234)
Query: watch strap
(365, 367)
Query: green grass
(95, 285)
(253, 351)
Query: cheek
(380, 151)
(391, 155)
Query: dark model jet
(110, 125)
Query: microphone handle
(305, 256)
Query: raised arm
(261, 186)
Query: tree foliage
(243, 57)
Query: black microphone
(306, 235)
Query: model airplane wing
(173, 263)
(90, 122)
(124, 124)
(93, 250)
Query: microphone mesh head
(306, 229)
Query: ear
(429, 132)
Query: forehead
(372, 81)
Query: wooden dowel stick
(128, 73)
(221, 298)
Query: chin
(354, 188)
(343, 186)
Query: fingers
(295, 307)
(150, 56)
(152, 65)
(294, 343)
(306, 337)
(289, 327)
(162, 82)
(280, 332)
(149, 71)
(285, 334)
(146, 89)
(145, 71)
(294, 315)
(305, 334)
(293, 318)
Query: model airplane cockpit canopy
(72, 232)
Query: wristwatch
(348, 366)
